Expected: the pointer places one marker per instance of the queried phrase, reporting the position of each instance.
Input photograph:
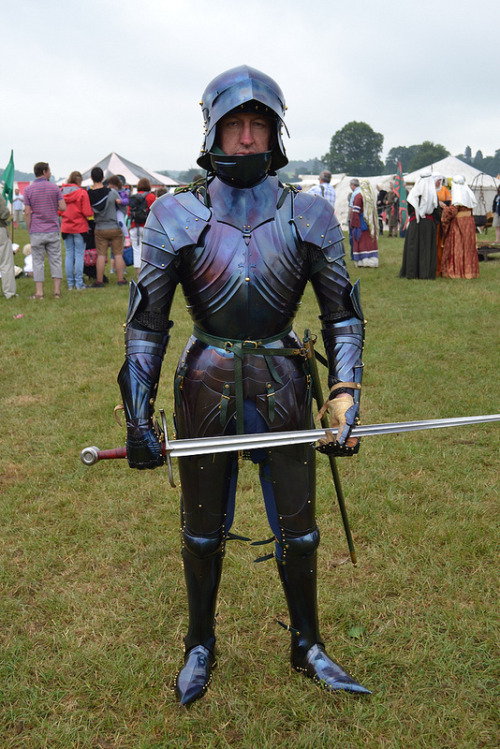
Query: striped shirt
(43, 197)
(326, 191)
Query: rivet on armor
(163, 246)
(300, 216)
(163, 265)
(322, 236)
(201, 103)
(171, 239)
(247, 279)
(308, 224)
(200, 506)
(187, 227)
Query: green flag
(8, 179)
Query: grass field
(92, 606)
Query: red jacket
(78, 210)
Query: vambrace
(138, 381)
(343, 341)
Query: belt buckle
(250, 344)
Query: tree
(478, 160)
(185, 178)
(427, 153)
(404, 154)
(355, 149)
(491, 164)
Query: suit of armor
(243, 256)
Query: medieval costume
(420, 252)
(243, 247)
(460, 258)
(392, 212)
(364, 227)
(444, 198)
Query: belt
(239, 349)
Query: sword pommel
(89, 455)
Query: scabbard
(318, 397)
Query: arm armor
(174, 222)
(341, 315)
(138, 381)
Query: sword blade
(235, 442)
(207, 445)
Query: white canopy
(113, 163)
(342, 185)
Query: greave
(202, 582)
(298, 578)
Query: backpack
(139, 210)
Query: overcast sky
(81, 79)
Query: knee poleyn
(202, 546)
(300, 546)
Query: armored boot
(202, 569)
(297, 570)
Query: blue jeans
(75, 247)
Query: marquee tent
(342, 185)
(113, 163)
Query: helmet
(246, 89)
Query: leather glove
(343, 413)
(143, 447)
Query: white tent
(342, 185)
(113, 163)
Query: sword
(235, 442)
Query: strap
(240, 349)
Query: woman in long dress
(364, 227)
(460, 259)
(420, 248)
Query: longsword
(237, 442)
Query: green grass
(92, 606)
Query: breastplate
(246, 276)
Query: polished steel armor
(243, 256)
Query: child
(28, 262)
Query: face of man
(243, 134)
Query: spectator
(420, 250)
(444, 199)
(104, 202)
(42, 201)
(325, 189)
(355, 189)
(139, 206)
(18, 207)
(496, 214)
(28, 261)
(364, 224)
(460, 258)
(6, 254)
(74, 226)
(392, 204)
(381, 194)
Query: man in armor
(243, 246)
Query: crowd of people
(105, 217)
(440, 238)
(441, 234)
